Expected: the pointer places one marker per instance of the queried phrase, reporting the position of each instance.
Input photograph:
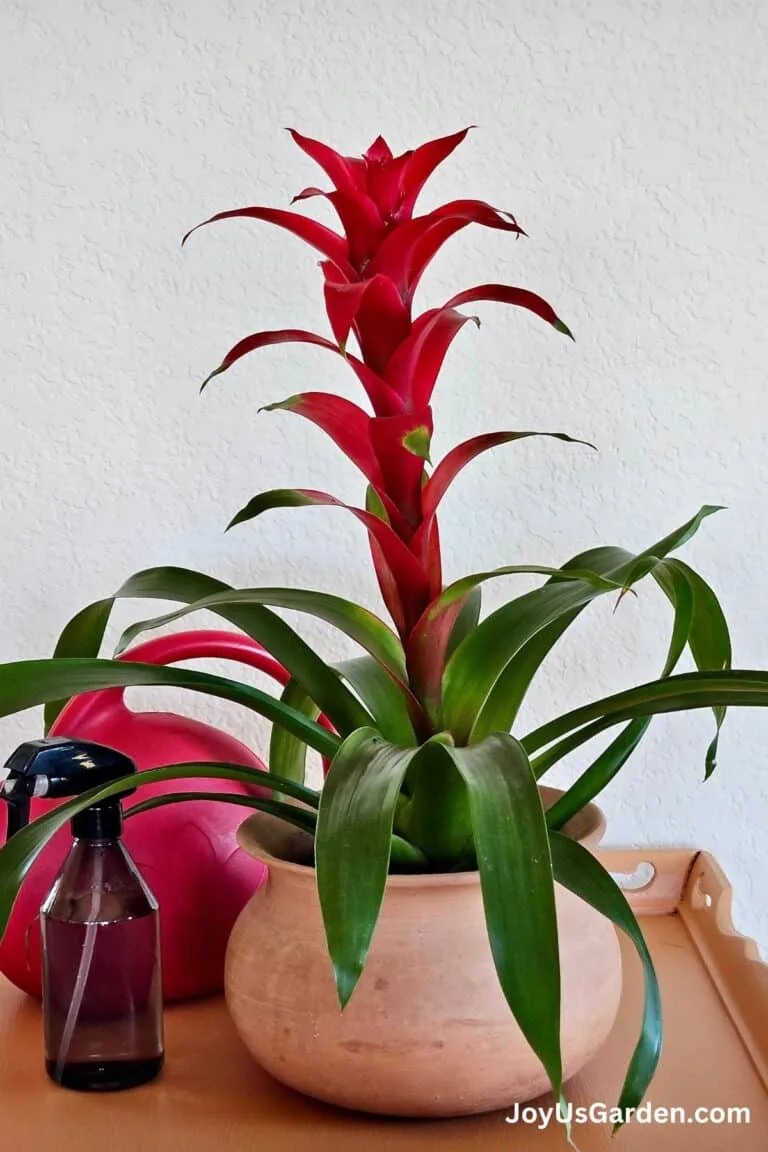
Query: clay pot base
(427, 1031)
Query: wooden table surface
(213, 1098)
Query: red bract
(371, 270)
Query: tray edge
(732, 960)
(662, 892)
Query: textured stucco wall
(630, 141)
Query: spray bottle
(102, 993)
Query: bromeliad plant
(424, 774)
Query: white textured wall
(631, 142)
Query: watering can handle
(211, 645)
(171, 649)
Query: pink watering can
(187, 852)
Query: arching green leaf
(27, 683)
(578, 870)
(476, 665)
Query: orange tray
(213, 1098)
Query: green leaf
(434, 812)
(594, 778)
(746, 689)
(353, 845)
(375, 505)
(406, 857)
(513, 858)
(20, 852)
(578, 870)
(467, 619)
(287, 753)
(500, 710)
(477, 663)
(709, 638)
(503, 702)
(84, 634)
(358, 623)
(290, 813)
(320, 680)
(383, 698)
(429, 642)
(599, 774)
(460, 587)
(409, 575)
(26, 683)
(699, 623)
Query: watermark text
(541, 1116)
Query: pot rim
(590, 827)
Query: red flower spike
(382, 323)
(478, 212)
(374, 308)
(345, 423)
(359, 218)
(462, 454)
(388, 587)
(413, 369)
(434, 561)
(451, 465)
(379, 152)
(384, 577)
(409, 577)
(345, 173)
(422, 162)
(407, 250)
(265, 340)
(520, 297)
(349, 428)
(403, 468)
(384, 400)
(385, 187)
(382, 397)
(371, 274)
(332, 246)
(427, 648)
(308, 194)
(342, 303)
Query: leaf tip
(622, 593)
(216, 372)
(559, 326)
(287, 405)
(417, 441)
(187, 235)
(346, 982)
(710, 760)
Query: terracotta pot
(427, 1031)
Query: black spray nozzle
(57, 766)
